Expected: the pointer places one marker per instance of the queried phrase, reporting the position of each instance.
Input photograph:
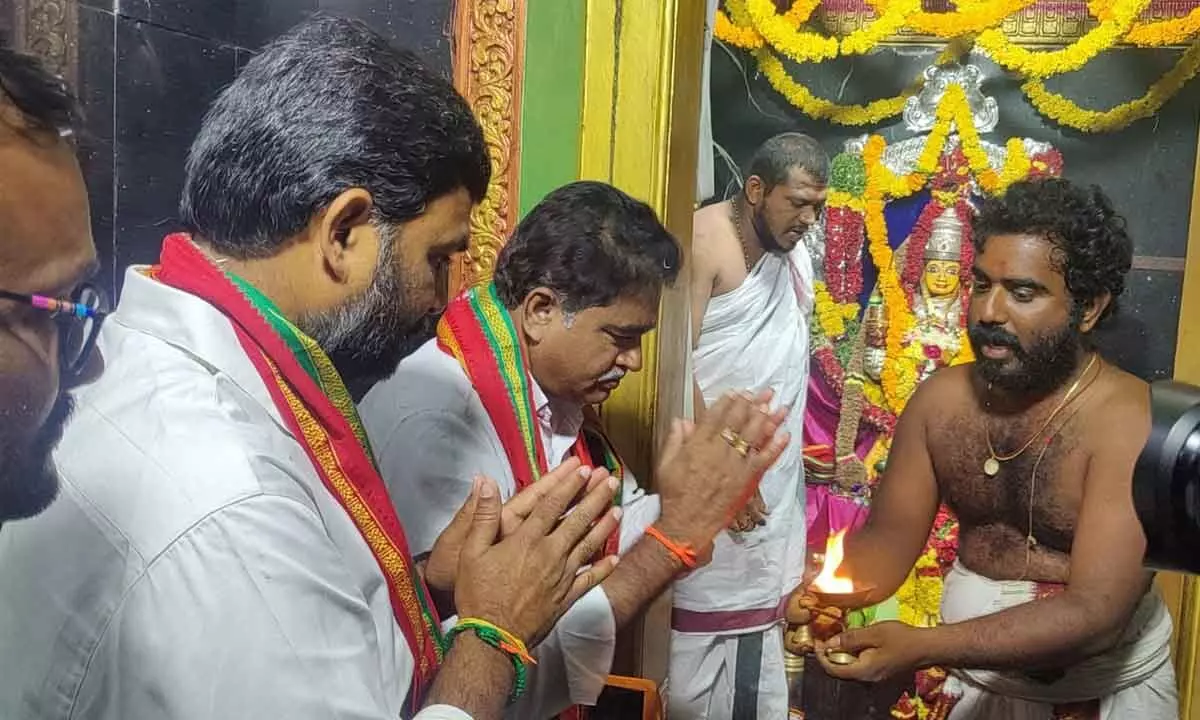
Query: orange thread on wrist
(683, 551)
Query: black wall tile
(164, 84)
(96, 141)
(211, 19)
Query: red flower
(933, 352)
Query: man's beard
(1036, 371)
(28, 478)
(367, 336)
(766, 238)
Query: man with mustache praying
(223, 545)
(508, 389)
(1047, 611)
(752, 296)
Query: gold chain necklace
(991, 466)
(1031, 541)
(736, 216)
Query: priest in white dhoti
(223, 546)
(1047, 612)
(752, 285)
(507, 389)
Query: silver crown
(945, 238)
(920, 110)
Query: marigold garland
(832, 316)
(893, 16)
(896, 378)
(746, 38)
(1042, 64)
(1165, 32)
(961, 22)
(1066, 112)
(781, 33)
(800, 97)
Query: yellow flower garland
(841, 198)
(893, 17)
(920, 597)
(832, 315)
(966, 21)
(897, 379)
(1066, 112)
(1044, 64)
(780, 32)
(800, 97)
(1165, 32)
(737, 30)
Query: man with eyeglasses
(49, 315)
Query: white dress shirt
(431, 435)
(194, 566)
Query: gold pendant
(991, 466)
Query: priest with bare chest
(1047, 612)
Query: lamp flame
(828, 581)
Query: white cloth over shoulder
(754, 338)
(1135, 679)
(431, 436)
(194, 565)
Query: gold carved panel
(488, 64)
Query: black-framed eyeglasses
(79, 320)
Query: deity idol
(936, 336)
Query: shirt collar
(558, 417)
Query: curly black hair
(1092, 249)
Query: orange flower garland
(746, 38)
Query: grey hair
(775, 158)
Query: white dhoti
(727, 644)
(1134, 679)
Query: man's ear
(540, 310)
(756, 190)
(346, 238)
(1093, 311)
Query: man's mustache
(614, 375)
(992, 335)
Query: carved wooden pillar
(488, 63)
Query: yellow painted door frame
(1183, 594)
(641, 108)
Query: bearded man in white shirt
(223, 546)
(509, 388)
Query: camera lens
(1166, 479)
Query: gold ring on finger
(730, 436)
(741, 446)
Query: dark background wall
(1147, 169)
(147, 70)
